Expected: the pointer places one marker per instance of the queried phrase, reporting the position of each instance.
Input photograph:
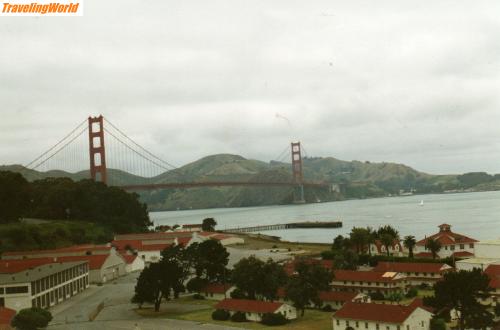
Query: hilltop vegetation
(350, 179)
(65, 199)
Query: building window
(452, 247)
(357, 324)
(398, 328)
(471, 246)
(16, 289)
(377, 326)
(446, 248)
(338, 322)
(347, 323)
(462, 246)
(387, 328)
(366, 325)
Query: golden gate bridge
(111, 153)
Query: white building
(105, 263)
(368, 281)
(255, 309)
(485, 253)
(416, 273)
(133, 263)
(372, 316)
(42, 282)
(452, 244)
(224, 239)
(217, 291)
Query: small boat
(422, 202)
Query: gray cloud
(395, 81)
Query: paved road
(144, 324)
(118, 311)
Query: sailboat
(422, 202)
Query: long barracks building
(41, 282)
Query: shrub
(423, 286)
(238, 317)
(273, 319)
(497, 309)
(220, 315)
(198, 296)
(238, 294)
(377, 296)
(327, 308)
(411, 293)
(437, 324)
(31, 319)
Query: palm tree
(372, 235)
(387, 240)
(434, 246)
(410, 242)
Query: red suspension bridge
(112, 153)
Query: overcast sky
(413, 82)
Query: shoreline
(325, 202)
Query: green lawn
(312, 319)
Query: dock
(292, 225)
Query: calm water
(473, 214)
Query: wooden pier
(292, 225)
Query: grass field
(312, 319)
(256, 242)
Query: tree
(31, 319)
(437, 324)
(359, 237)
(388, 229)
(208, 224)
(434, 246)
(303, 288)
(14, 196)
(209, 259)
(156, 282)
(346, 259)
(387, 241)
(274, 277)
(256, 278)
(409, 242)
(461, 291)
(387, 235)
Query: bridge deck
(221, 184)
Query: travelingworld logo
(42, 8)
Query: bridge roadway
(222, 184)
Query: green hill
(350, 179)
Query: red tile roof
(16, 266)
(195, 225)
(248, 306)
(493, 270)
(495, 283)
(129, 258)
(95, 261)
(376, 312)
(155, 247)
(424, 255)
(154, 236)
(6, 315)
(378, 244)
(462, 254)
(183, 240)
(290, 266)
(337, 296)
(363, 276)
(447, 237)
(409, 267)
(216, 288)
(69, 249)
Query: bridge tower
(298, 176)
(96, 149)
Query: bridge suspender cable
(139, 146)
